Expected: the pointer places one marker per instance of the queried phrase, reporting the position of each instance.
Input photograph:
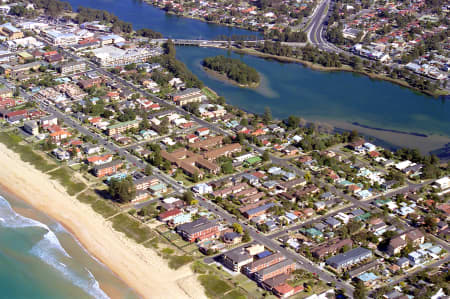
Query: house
(349, 258)
(169, 215)
(202, 132)
(231, 238)
(237, 258)
(258, 211)
(107, 168)
(331, 247)
(396, 244)
(368, 278)
(442, 183)
(403, 262)
(31, 127)
(332, 222)
(59, 135)
(98, 160)
(202, 188)
(199, 230)
(90, 149)
(48, 121)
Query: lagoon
(339, 98)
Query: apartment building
(113, 56)
(199, 230)
(122, 127)
(72, 67)
(190, 95)
(107, 168)
(284, 267)
(263, 263)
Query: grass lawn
(64, 176)
(190, 248)
(199, 267)
(177, 261)
(132, 228)
(103, 208)
(25, 152)
(209, 93)
(214, 286)
(87, 198)
(235, 294)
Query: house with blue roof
(313, 233)
(368, 278)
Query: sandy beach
(139, 267)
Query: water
(40, 259)
(292, 89)
(142, 15)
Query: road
(267, 241)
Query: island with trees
(232, 70)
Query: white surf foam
(50, 250)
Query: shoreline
(320, 68)
(137, 266)
(173, 13)
(225, 79)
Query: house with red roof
(169, 215)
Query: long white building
(113, 56)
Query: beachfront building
(286, 266)
(236, 259)
(107, 168)
(263, 262)
(199, 230)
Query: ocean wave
(50, 250)
(90, 285)
(13, 220)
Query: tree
(360, 290)
(308, 176)
(122, 190)
(238, 228)
(266, 156)
(227, 167)
(188, 197)
(148, 170)
(246, 237)
(267, 117)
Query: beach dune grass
(104, 209)
(178, 261)
(132, 228)
(64, 176)
(234, 294)
(12, 141)
(214, 286)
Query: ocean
(39, 258)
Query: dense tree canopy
(122, 190)
(234, 69)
